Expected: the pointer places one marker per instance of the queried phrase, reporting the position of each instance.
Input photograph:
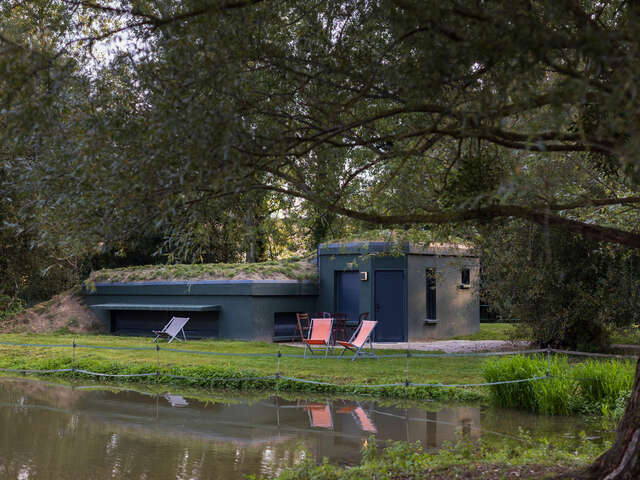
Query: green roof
(288, 269)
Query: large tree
(386, 111)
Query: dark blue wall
(246, 308)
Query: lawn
(491, 331)
(452, 370)
(627, 336)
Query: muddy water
(58, 432)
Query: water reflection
(52, 431)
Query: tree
(559, 285)
(449, 112)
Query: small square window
(465, 276)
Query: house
(414, 292)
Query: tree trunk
(622, 460)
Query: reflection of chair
(363, 419)
(302, 328)
(172, 329)
(359, 338)
(360, 416)
(320, 415)
(319, 335)
(176, 400)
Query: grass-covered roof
(287, 269)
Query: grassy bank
(226, 370)
(592, 387)
(401, 460)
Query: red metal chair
(339, 327)
(302, 328)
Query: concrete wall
(354, 257)
(457, 309)
(247, 308)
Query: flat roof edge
(202, 282)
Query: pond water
(58, 432)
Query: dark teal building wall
(245, 309)
(365, 258)
(458, 309)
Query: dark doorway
(389, 306)
(348, 294)
(143, 322)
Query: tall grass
(600, 387)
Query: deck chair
(319, 335)
(302, 328)
(172, 329)
(320, 415)
(359, 338)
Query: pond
(58, 431)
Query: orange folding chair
(361, 336)
(319, 335)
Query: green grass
(508, 459)
(593, 387)
(222, 370)
(295, 268)
(628, 336)
(491, 331)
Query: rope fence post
(73, 360)
(278, 372)
(157, 362)
(406, 373)
(548, 362)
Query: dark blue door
(348, 294)
(389, 306)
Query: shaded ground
(494, 472)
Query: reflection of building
(414, 293)
(337, 430)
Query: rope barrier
(588, 354)
(278, 377)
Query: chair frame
(167, 332)
(318, 342)
(358, 350)
(301, 331)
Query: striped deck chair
(172, 329)
(319, 335)
(359, 338)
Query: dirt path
(449, 346)
(456, 346)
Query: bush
(9, 307)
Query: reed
(592, 387)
